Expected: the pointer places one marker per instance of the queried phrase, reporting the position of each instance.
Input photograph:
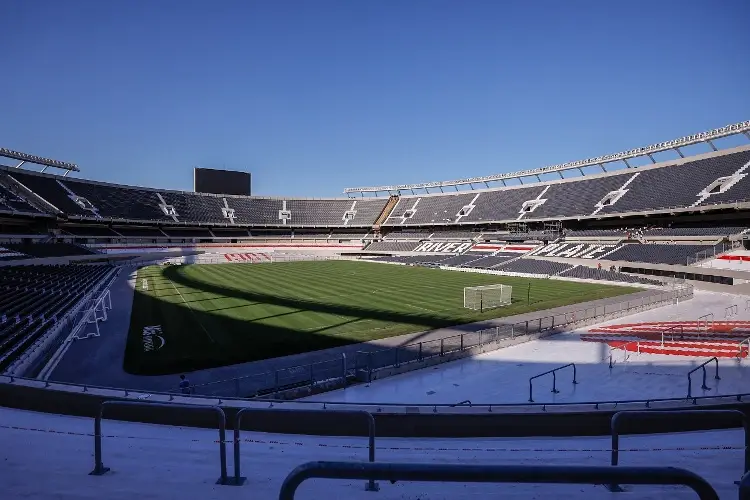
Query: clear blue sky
(315, 96)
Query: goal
(480, 298)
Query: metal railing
(554, 379)
(670, 415)
(731, 311)
(379, 406)
(671, 332)
(703, 367)
(238, 480)
(707, 320)
(367, 362)
(496, 474)
(743, 347)
(100, 469)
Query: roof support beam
(679, 152)
(711, 144)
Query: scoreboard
(209, 180)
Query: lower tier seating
(658, 254)
(590, 273)
(34, 298)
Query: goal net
(487, 297)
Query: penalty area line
(192, 312)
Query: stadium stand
(505, 204)
(590, 273)
(462, 260)
(534, 266)
(392, 246)
(10, 201)
(679, 185)
(492, 260)
(695, 231)
(657, 254)
(33, 298)
(705, 181)
(408, 235)
(346, 236)
(90, 231)
(139, 232)
(48, 249)
(455, 235)
(595, 233)
(230, 233)
(177, 232)
(8, 254)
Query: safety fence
(613, 476)
(368, 363)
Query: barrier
(743, 348)
(706, 321)
(100, 469)
(731, 311)
(496, 474)
(414, 355)
(619, 417)
(702, 366)
(671, 332)
(238, 480)
(554, 379)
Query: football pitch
(193, 317)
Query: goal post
(480, 298)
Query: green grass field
(216, 315)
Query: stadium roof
(733, 129)
(47, 162)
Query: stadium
(462, 325)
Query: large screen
(210, 180)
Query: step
(693, 350)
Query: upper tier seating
(657, 254)
(670, 186)
(34, 298)
(9, 201)
(110, 201)
(642, 189)
(48, 249)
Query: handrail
(127, 392)
(739, 347)
(100, 469)
(554, 379)
(238, 480)
(674, 327)
(557, 474)
(731, 311)
(705, 318)
(618, 417)
(702, 366)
